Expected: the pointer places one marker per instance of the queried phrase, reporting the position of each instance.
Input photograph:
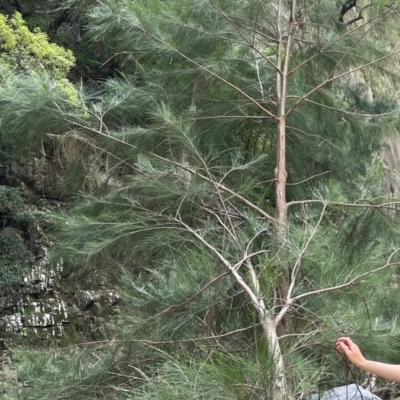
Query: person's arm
(353, 353)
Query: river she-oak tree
(240, 210)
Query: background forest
(221, 164)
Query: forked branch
(345, 285)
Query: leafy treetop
(25, 51)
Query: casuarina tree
(241, 200)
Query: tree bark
(281, 390)
(272, 327)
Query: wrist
(361, 363)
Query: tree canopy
(238, 204)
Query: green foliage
(187, 196)
(26, 51)
(15, 257)
(25, 54)
(11, 201)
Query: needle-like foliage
(223, 297)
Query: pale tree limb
(233, 117)
(210, 211)
(248, 257)
(297, 263)
(223, 335)
(224, 188)
(232, 227)
(183, 303)
(337, 287)
(351, 205)
(307, 179)
(254, 238)
(228, 265)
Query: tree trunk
(281, 390)
(284, 326)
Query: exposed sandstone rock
(85, 299)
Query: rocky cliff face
(39, 304)
(33, 294)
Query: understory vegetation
(226, 175)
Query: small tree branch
(308, 179)
(297, 263)
(231, 269)
(352, 205)
(339, 110)
(338, 39)
(334, 288)
(350, 283)
(249, 43)
(225, 189)
(334, 78)
(248, 257)
(223, 335)
(177, 306)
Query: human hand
(351, 350)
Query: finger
(344, 348)
(347, 341)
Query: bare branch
(177, 306)
(231, 269)
(232, 227)
(248, 257)
(244, 37)
(307, 179)
(316, 88)
(223, 335)
(341, 110)
(254, 238)
(350, 283)
(289, 304)
(210, 211)
(231, 85)
(233, 117)
(297, 263)
(185, 168)
(352, 205)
